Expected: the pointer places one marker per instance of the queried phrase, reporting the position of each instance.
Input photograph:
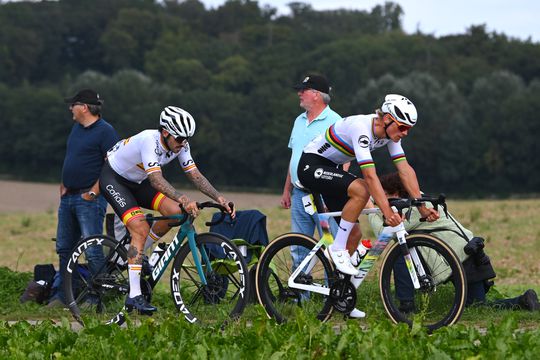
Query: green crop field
(513, 243)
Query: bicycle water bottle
(156, 254)
(361, 251)
(359, 254)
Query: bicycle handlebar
(401, 204)
(182, 218)
(221, 208)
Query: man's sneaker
(140, 304)
(529, 300)
(357, 314)
(342, 260)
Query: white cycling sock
(134, 271)
(150, 240)
(340, 243)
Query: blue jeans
(302, 222)
(78, 218)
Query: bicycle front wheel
(276, 267)
(441, 298)
(225, 294)
(96, 279)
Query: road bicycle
(316, 287)
(208, 279)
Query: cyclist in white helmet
(353, 138)
(131, 178)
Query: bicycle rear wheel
(441, 298)
(276, 267)
(97, 285)
(225, 294)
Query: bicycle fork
(412, 260)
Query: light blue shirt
(303, 132)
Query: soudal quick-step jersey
(352, 138)
(142, 154)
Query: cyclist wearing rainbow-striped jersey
(353, 138)
(131, 178)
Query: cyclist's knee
(169, 207)
(138, 229)
(358, 190)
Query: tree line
(233, 68)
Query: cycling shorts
(323, 176)
(127, 197)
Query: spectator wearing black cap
(314, 95)
(82, 210)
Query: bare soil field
(31, 197)
(28, 220)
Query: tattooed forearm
(203, 184)
(135, 255)
(159, 183)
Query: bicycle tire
(440, 300)
(100, 293)
(273, 271)
(225, 295)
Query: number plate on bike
(309, 205)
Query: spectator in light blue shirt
(314, 96)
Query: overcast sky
(515, 18)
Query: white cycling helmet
(178, 122)
(401, 108)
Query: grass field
(511, 230)
(510, 227)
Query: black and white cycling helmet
(178, 122)
(401, 109)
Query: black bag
(39, 289)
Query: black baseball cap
(315, 82)
(85, 96)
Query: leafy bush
(12, 285)
(263, 339)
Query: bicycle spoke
(219, 299)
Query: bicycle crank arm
(120, 288)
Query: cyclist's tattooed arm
(159, 183)
(203, 184)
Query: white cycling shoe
(357, 314)
(342, 260)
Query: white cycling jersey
(352, 138)
(142, 154)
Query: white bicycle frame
(412, 260)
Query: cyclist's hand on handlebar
(429, 214)
(393, 220)
(225, 203)
(192, 208)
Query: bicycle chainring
(343, 295)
